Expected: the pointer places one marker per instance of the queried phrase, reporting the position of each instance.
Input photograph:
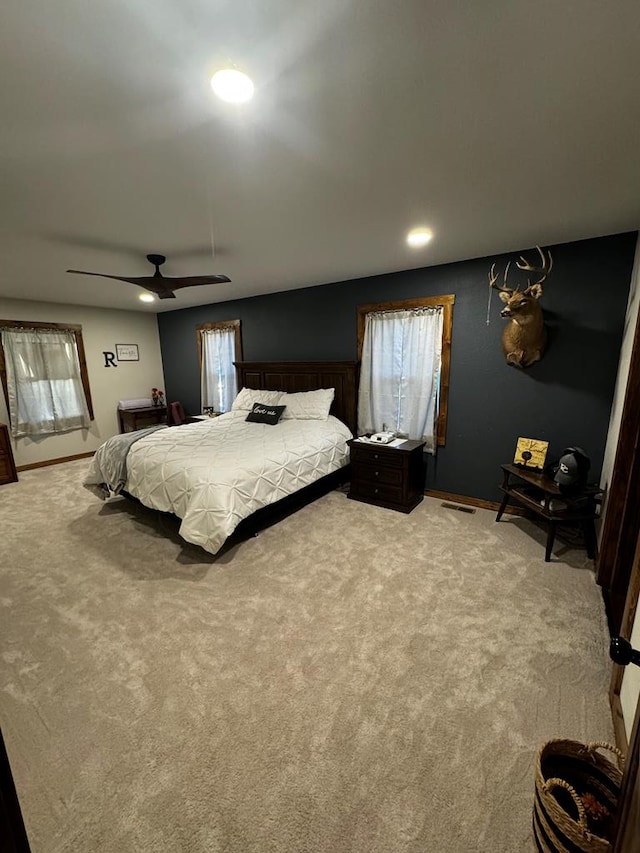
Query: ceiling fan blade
(195, 280)
(142, 280)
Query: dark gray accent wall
(565, 399)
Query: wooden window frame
(446, 303)
(223, 324)
(75, 328)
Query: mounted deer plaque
(524, 337)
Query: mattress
(215, 473)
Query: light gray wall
(102, 328)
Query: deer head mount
(524, 337)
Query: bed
(227, 476)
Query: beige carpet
(353, 680)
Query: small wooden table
(148, 414)
(537, 492)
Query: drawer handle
(375, 491)
(376, 456)
(377, 473)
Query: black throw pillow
(264, 414)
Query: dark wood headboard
(295, 376)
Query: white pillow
(308, 405)
(248, 396)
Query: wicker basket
(576, 798)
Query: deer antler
(545, 269)
(493, 278)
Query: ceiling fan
(162, 286)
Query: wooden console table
(537, 493)
(148, 415)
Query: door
(628, 835)
(627, 838)
(622, 520)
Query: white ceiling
(499, 124)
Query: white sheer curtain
(218, 375)
(400, 373)
(44, 382)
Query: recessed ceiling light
(232, 85)
(419, 237)
(146, 297)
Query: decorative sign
(127, 352)
(531, 453)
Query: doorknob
(622, 652)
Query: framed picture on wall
(127, 352)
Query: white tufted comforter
(214, 473)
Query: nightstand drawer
(388, 475)
(371, 455)
(376, 491)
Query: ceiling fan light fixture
(419, 237)
(232, 85)
(146, 297)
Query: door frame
(618, 573)
(622, 517)
(617, 674)
(625, 833)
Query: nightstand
(392, 477)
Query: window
(219, 345)
(404, 349)
(44, 377)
